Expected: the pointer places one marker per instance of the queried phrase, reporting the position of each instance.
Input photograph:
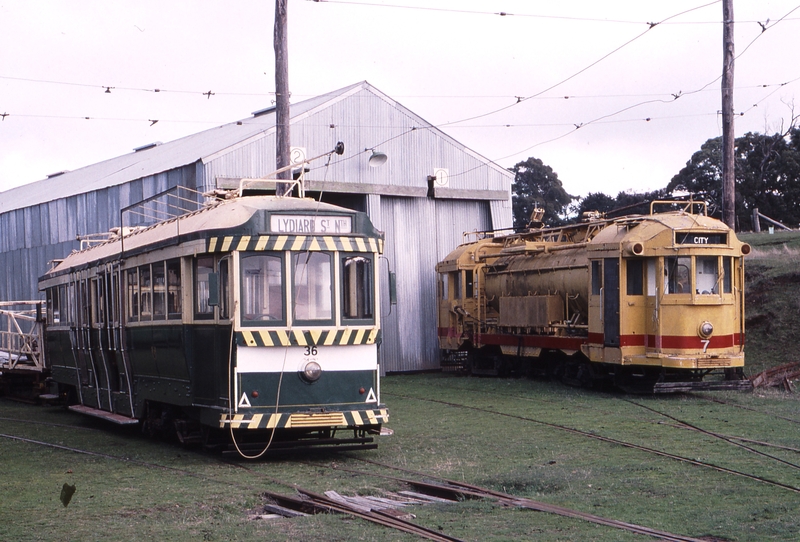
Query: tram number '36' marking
(311, 351)
(705, 344)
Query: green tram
(253, 321)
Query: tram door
(96, 343)
(82, 337)
(611, 301)
(119, 368)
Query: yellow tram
(644, 302)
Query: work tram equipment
(645, 302)
(253, 320)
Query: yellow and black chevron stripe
(314, 337)
(299, 243)
(348, 418)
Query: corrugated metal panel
(410, 341)
(55, 225)
(71, 218)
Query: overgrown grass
(501, 442)
(772, 299)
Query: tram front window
(262, 289)
(312, 293)
(706, 278)
(678, 274)
(357, 286)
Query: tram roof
(219, 216)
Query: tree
(537, 185)
(626, 203)
(703, 175)
(595, 201)
(767, 176)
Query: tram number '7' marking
(312, 351)
(705, 344)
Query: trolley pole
(282, 141)
(728, 140)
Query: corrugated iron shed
(423, 219)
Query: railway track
(317, 503)
(725, 438)
(456, 490)
(610, 440)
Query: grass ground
(497, 433)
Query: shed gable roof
(202, 146)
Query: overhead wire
(521, 99)
(676, 96)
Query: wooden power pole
(282, 140)
(728, 140)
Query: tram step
(109, 416)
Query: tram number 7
(705, 345)
(311, 351)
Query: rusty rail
(22, 336)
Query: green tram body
(252, 316)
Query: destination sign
(701, 238)
(322, 224)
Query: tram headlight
(706, 329)
(312, 371)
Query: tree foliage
(626, 203)
(767, 171)
(537, 185)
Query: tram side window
(456, 276)
(53, 306)
(727, 276)
(99, 300)
(469, 282)
(357, 288)
(224, 289)
(174, 292)
(651, 276)
(706, 277)
(85, 296)
(72, 305)
(312, 286)
(133, 295)
(678, 274)
(159, 291)
(262, 289)
(635, 277)
(145, 293)
(597, 277)
(204, 266)
(443, 285)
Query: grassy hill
(772, 299)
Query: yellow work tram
(643, 302)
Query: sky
(614, 96)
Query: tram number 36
(310, 351)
